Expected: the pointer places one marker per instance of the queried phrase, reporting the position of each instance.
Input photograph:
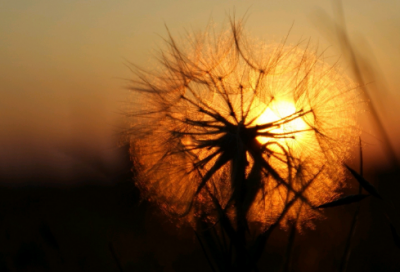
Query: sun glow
(292, 128)
(259, 140)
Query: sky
(63, 69)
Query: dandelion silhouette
(240, 131)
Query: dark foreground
(108, 228)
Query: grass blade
(396, 237)
(205, 252)
(115, 257)
(289, 249)
(347, 250)
(343, 201)
(365, 184)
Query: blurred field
(66, 190)
(71, 228)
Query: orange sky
(62, 64)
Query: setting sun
(292, 131)
(253, 137)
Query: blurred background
(67, 202)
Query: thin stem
(115, 257)
(205, 252)
(347, 249)
(289, 249)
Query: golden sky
(62, 65)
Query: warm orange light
(295, 128)
(197, 121)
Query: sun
(291, 132)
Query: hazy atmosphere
(72, 197)
(63, 68)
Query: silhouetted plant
(237, 137)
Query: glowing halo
(277, 117)
(292, 131)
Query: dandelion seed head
(228, 123)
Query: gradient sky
(62, 66)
